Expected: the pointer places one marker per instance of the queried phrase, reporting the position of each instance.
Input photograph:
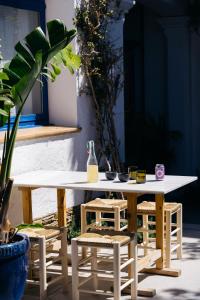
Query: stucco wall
(66, 108)
(67, 152)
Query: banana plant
(35, 56)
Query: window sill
(41, 132)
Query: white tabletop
(78, 181)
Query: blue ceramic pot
(13, 268)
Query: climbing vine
(101, 65)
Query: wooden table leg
(160, 268)
(132, 212)
(27, 205)
(160, 229)
(62, 222)
(61, 207)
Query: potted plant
(17, 79)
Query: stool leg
(83, 219)
(94, 267)
(116, 265)
(117, 219)
(133, 269)
(179, 233)
(168, 239)
(98, 218)
(83, 227)
(75, 279)
(64, 258)
(43, 273)
(145, 234)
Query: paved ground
(185, 287)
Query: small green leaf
(6, 100)
(53, 76)
(56, 69)
(9, 103)
(3, 76)
(3, 113)
(24, 226)
(70, 59)
(48, 75)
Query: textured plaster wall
(59, 111)
(67, 152)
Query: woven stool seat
(120, 271)
(172, 227)
(44, 259)
(106, 204)
(147, 207)
(107, 214)
(100, 239)
(40, 232)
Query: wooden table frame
(26, 186)
(132, 227)
(27, 205)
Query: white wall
(67, 115)
(67, 152)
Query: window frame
(32, 120)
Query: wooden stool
(100, 206)
(43, 258)
(104, 240)
(147, 209)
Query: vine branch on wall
(101, 63)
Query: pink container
(159, 171)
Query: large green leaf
(33, 54)
(56, 30)
(23, 51)
(3, 112)
(17, 81)
(19, 65)
(60, 40)
(13, 77)
(36, 41)
(21, 90)
(25, 67)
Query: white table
(62, 180)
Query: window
(17, 19)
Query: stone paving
(185, 287)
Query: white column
(116, 35)
(63, 93)
(178, 88)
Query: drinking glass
(132, 171)
(141, 176)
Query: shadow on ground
(182, 294)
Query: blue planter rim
(17, 248)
